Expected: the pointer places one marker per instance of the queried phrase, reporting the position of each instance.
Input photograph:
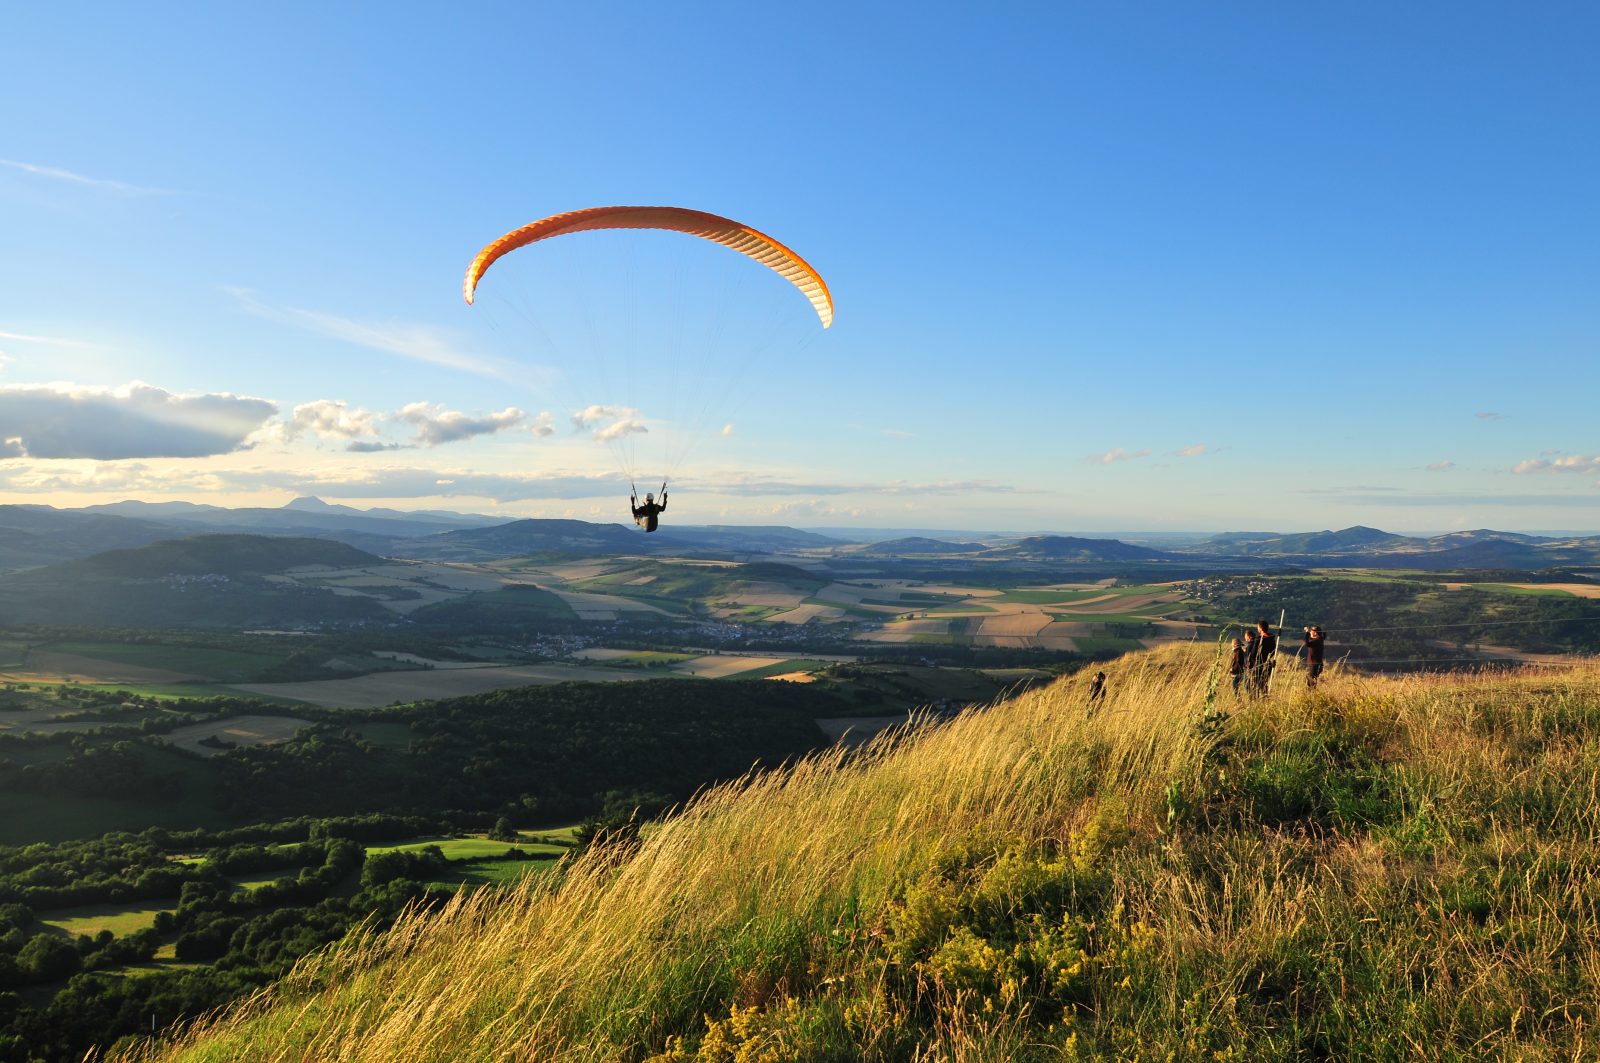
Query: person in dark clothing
(1266, 655)
(1249, 674)
(1097, 689)
(1236, 664)
(645, 515)
(1315, 641)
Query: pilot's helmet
(648, 497)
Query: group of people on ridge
(1253, 657)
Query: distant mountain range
(33, 536)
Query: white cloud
(544, 424)
(590, 416)
(619, 429)
(331, 417)
(1442, 466)
(436, 426)
(617, 421)
(1118, 454)
(53, 173)
(12, 448)
(363, 446)
(1193, 450)
(727, 430)
(1565, 463)
(417, 342)
(133, 421)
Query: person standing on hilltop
(1315, 641)
(1266, 655)
(1248, 672)
(1236, 664)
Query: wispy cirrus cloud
(1117, 454)
(49, 341)
(1489, 415)
(55, 173)
(1442, 466)
(417, 342)
(1193, 450)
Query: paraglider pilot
(645, 515)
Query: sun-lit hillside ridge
(1384, 868)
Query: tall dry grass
(1208, 926)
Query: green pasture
(161, 964)
(754, 614)
(468, 848)
(564, 836)
(1367, 575)
(1105, 644)
(262, 878)
(645, 659)
(1531, 592)
(490, 873)
(13, 655)
(179, 691)
(120, 919)
(222, 666)
(848, 608)
(1106, 618)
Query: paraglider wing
(741, 238)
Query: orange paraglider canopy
(725, 231)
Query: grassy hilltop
(1386, 869)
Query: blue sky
(1096, 266)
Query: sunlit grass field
(1385, 868)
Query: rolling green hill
(209, 581)
(228, 555)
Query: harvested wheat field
(387, 688)
(721, 666)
